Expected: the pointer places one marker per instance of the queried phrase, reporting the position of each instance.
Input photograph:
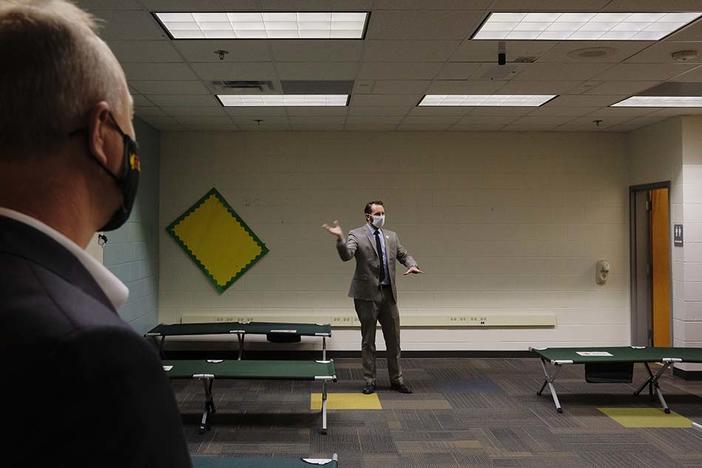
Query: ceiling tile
(439, 111)
(235, 71)
(548, 5)
(692, 76)
(486, 51)
(238, 51)
(399, 71)
(408, 51)
(580, 100)
(652, 5)
(163, 123)
(140, 100)
(400, 86)
(402, 100)
(538, 87)
(316, 51)
(560, 71)
(169, 87)
(661, 52)
(693, 32)
(379, 111)
(542, 120)
(613, 51)
(458, 71)
(432, 5)
(194, 100)
(179, 111)
(314, 5)
(294, 112)
(464, 87)
(621, 87)
(643, 71)
(317, 70)
(130, 24)
(423, 24)
(158, 71)
(95, 5)
(144, 51)
(149, 111)
(199, 5)
(257, 112)
(563, 111)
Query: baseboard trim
(335, 354)
(687, 375)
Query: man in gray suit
(373, 288)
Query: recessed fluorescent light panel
(660, 101)
(583, 26)
(286, 100)
(273, 25)
(513, 100)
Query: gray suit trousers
(384, 311)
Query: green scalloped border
(171, 230)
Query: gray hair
(55, 69)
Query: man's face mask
(377, 221)
(127, 180)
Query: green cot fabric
(259, 462)
(621, 354)
(257, 328)
(265, 370)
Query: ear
(98, 123)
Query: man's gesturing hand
(334, 230)
(413, 271)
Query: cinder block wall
(502, 223)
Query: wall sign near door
(678, 235)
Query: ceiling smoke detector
(592, 52)
(684, 55)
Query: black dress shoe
(402, 388)
(368, 389)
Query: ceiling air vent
(592, 52)
(238, 85)
(525, 59)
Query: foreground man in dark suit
(79, 387)
(373, 289)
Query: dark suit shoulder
(39, 306)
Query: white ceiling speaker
(684, 55)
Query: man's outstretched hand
(334, 230)
(413, 271)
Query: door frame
(632, 252)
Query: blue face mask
(127, 180)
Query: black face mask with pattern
(127, 180)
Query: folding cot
(263, 462)
(209, 370)
(598, 356)
(241, 329)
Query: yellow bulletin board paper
(216, 238)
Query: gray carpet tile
(464, 412)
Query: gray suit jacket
(361, 245)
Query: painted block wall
(501, 223)
(132, 250)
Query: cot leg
(549, 381)
(324, 407)
(240, 337)
(652, 383)
(324, 348)
(209, 405)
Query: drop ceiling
(412, 48)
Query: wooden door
(660, 266)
